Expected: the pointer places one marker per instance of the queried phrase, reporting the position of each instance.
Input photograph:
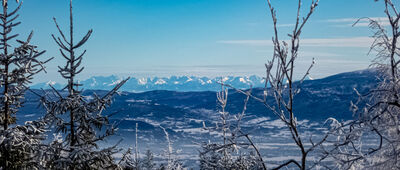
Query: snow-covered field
(270, 136)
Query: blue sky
(200, 37)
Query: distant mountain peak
(51, 83)
(175, 83)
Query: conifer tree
(81, 122)
(18, 64)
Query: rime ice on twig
(224, 155)
(280, 77)
(283, 90)
(376, 112)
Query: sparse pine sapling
(172, 161)
(225, 154)
(148, 160)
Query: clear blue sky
(199, 37)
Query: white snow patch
(142, 81)
(274, 124)
(283, 158)
(189, 79)
(94, 82)
(202, 82)
(241, 79)
(51, 83)
(137, 101)
(281, 134)
(88, 97)
(193, 130)
(196, 120)
(146, 120)
(160, 81)
(29, 115)
(191, 146)
(128, 130)
(115, 83)
(258, 120)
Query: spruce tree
(18, 64)
(81, 122)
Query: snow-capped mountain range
(175, 83)
(182, 114)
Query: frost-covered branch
(280, 77)
(377, 112)
(19, 146)
(80, 121)
(224, 155)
